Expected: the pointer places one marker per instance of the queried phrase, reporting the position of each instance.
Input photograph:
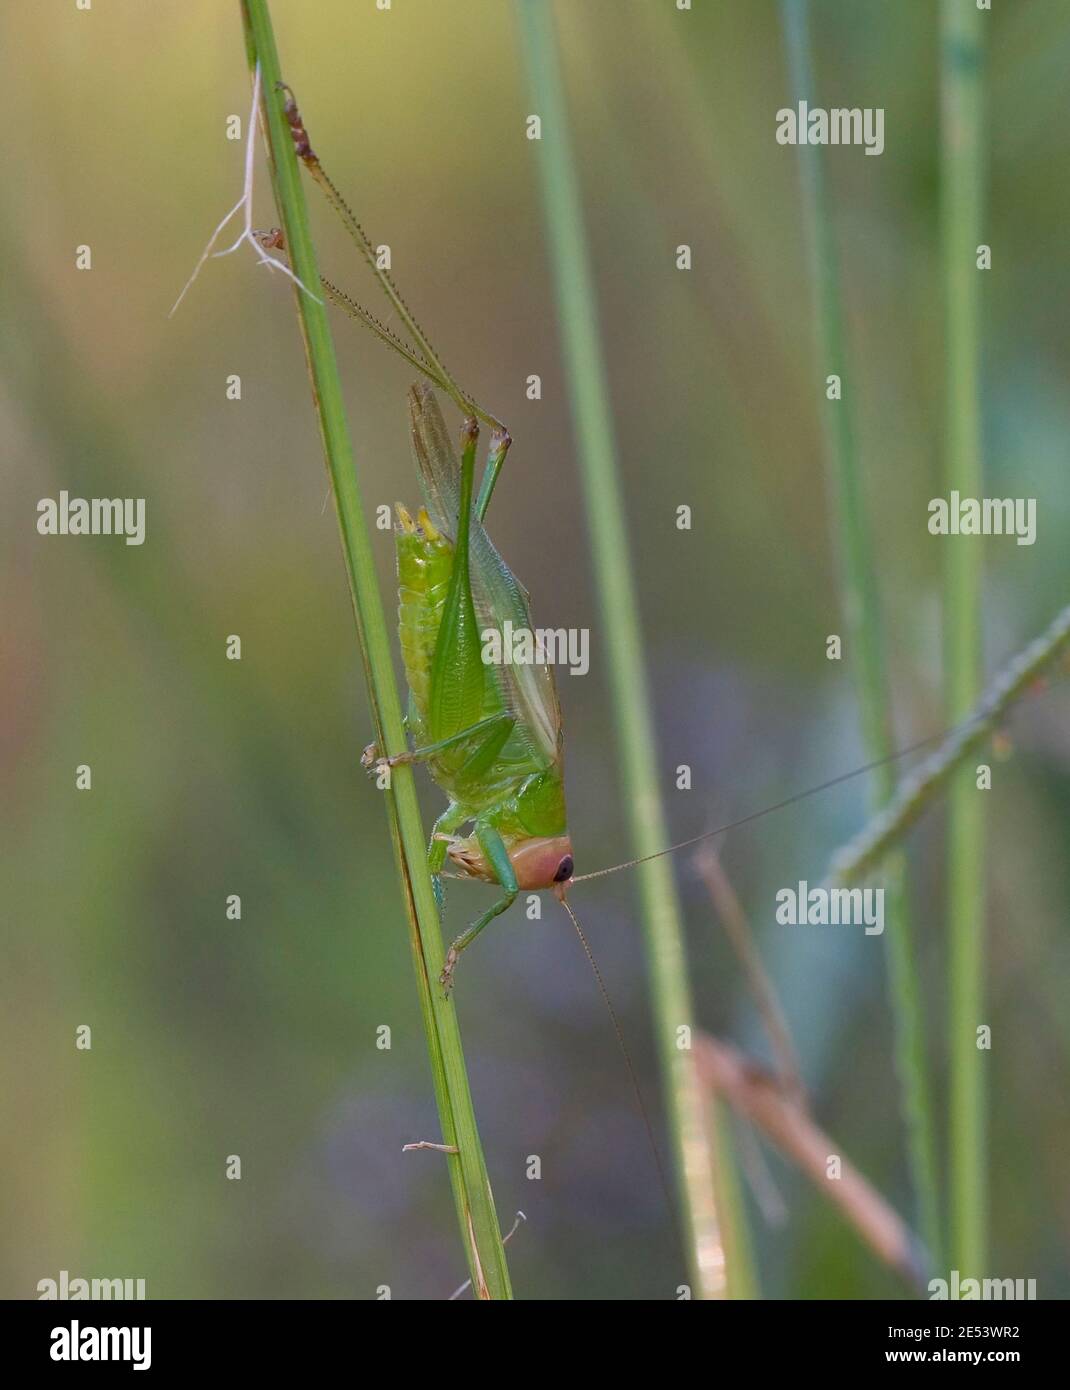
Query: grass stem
(480, 1232)
(961, 183)
(861, 609)
(942, 768)
(696, 1145)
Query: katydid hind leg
(424, 358)
(500, 441)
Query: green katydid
(490, 735)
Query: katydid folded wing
(528, 689)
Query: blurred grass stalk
(705, 1168)
(861, 610)
(919, 788)
(961, 184)
(478, 1221)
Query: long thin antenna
(993, 705)
(624, 1053)
(757, 815)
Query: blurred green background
(211, 777)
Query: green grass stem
(962, 196)
(480, 1232)
(701, 1154)
(862, 615)
(941, 769)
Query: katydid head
(544, 861)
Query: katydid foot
(374, 763)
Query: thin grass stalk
(862, 614)
(480, 1233)
(917, 791)
(695, 1149)
(961, 183)
(743, 1278)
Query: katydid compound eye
(564, 869)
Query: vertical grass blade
(695, 1149)
(961, 183)
(480, 1233)
(861, 611)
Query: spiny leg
(431, 364)
(424, 357)
(274, 240)
(357, 311)
(310, 159)
(493, 846)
